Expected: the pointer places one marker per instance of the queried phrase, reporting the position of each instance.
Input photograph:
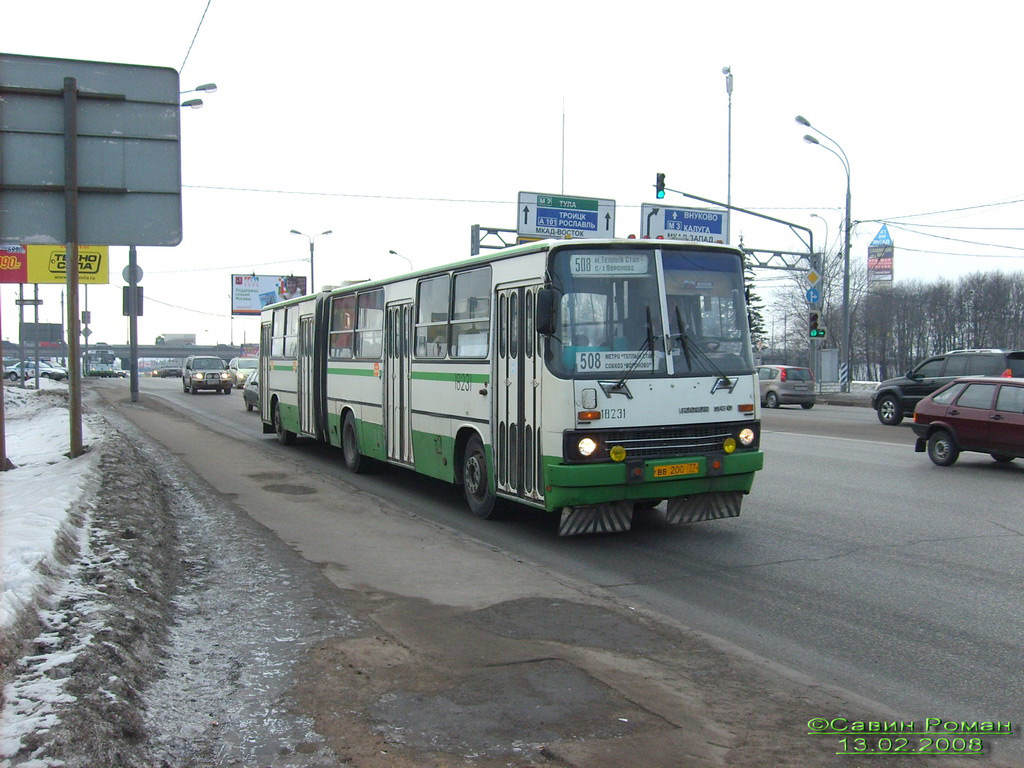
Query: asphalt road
(856, 561)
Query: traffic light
(815, 330)
(659, 185)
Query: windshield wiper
(648, 343)
(685, 341)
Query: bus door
(266, 334)
(517, 395)
(397, 384)
(304, 358)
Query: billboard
(251, 293)
(47, 264)
(880, 257)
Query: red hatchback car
(982, 414)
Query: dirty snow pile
(36, 496)
(39, 535)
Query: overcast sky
(398, 125)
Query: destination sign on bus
(597, 360)
(549, 215)
(608, 264)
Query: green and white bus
(583, 377)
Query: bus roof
(518, 250)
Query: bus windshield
(649, 312)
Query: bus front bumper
(573, 485)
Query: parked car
(895, 398)
(56, 373)
(205, 372)
(982, 414)
(786, 385)
(251, 391)
(241, 367)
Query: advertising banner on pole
(42, 264)
(251, 293)
(880, 257)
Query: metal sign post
(133, 275)
(71, 236)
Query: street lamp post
(408, 261)
(727, 71)
(825, 222)
(311, 238)
(197, 103)
(844, 340)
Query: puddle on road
(290, 490)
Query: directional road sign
(705, 225)
(542, 215)
(813, 295)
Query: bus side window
(370, 325)
(432, 317)
(471, 313)
(343, 315)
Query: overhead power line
(184, 309)
(200, 26)
(949, 210)
(954, 239)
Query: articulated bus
(586, 378)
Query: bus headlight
(586, 446)
(746, 437)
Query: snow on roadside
(36, 496)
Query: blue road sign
(813, 295)
(543, 215)
(706, 225)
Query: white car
(241, 367)
(46, 370)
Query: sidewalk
(859, 394)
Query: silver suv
(205, 372)
(785, 385)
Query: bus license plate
(671, 470)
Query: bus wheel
(476, 481)
(284, 437)
(354, 460)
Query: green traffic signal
(659, 185)
(815, 329)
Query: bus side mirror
(547, 304)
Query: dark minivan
(895, 398)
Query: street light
(825, 221)
(205, 88)
(396, 253)
(197, 103)
(311, 238)
(844, 340)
